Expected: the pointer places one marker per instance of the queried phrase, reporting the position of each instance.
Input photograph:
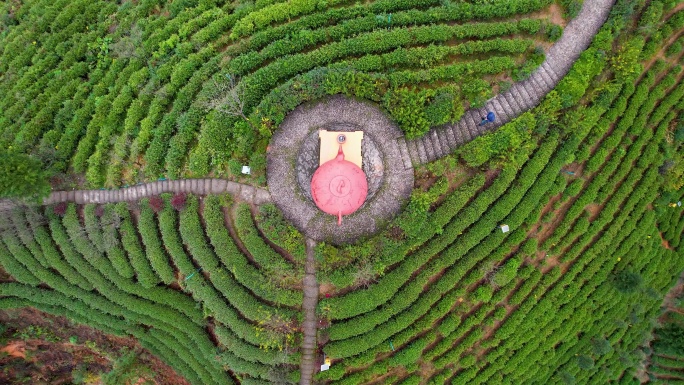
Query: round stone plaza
(293, 157)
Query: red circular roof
(339, 187)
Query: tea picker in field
(490, 118)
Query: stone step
(218, 186)
(430, 153)
(477, 115)
(451, 138)
(176, 186)
(463, 127)
(501, 115)
(422, 153)
(456, 132)
(403, 150)
(232, 187)
(522, 100)
(413, 151)
(512, 102)
(549, 76)
(436, 145)
(507, 107)
(550, 71)
(531, 90)
(546, 78)
(425, 141)
(524, 96)
(518, 98)
(469, 119)
(441, 137)
(540, 87)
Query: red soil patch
(40, 349)
(15, 349)
(594, 209)
(575, 168)
(326, 288)
(664, 242)
(555, 13)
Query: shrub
(601, 346)
(670, 339)
(585, 362)
(507, 272)
(675, 48)
(22, 176)
(99, 211)
(554, 32)
(60, 208)
(482, 294)
(178, 201)
(627, 281)
(156, 203)
(568, 378)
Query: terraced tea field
(216, 272)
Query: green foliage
(627, 281)
(585, 362)
(407, 107)
(625, 61)
(444, 108)
(482, 294)
(572, 8)
(590, 63)
(126, 368)
(507, 272)
(601, 346)
(670, 339)
(22, 177)
(497, 145)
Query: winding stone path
(308, 364)
(206, 186)
(522, 96)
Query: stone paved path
(521, 97)
(308, 364)
(191, 186)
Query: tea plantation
(159, 94)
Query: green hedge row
(406, 296)
(237, 263)
(154, 249)
(281, 271)
(350, 30)
(131, 243)
(100, 303)
(201, 290)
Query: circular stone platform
(293, 157)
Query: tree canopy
(22, 177)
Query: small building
(339, 186)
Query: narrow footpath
(205, 186)
(308, 365)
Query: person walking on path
(490, 118)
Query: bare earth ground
(38, 348)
